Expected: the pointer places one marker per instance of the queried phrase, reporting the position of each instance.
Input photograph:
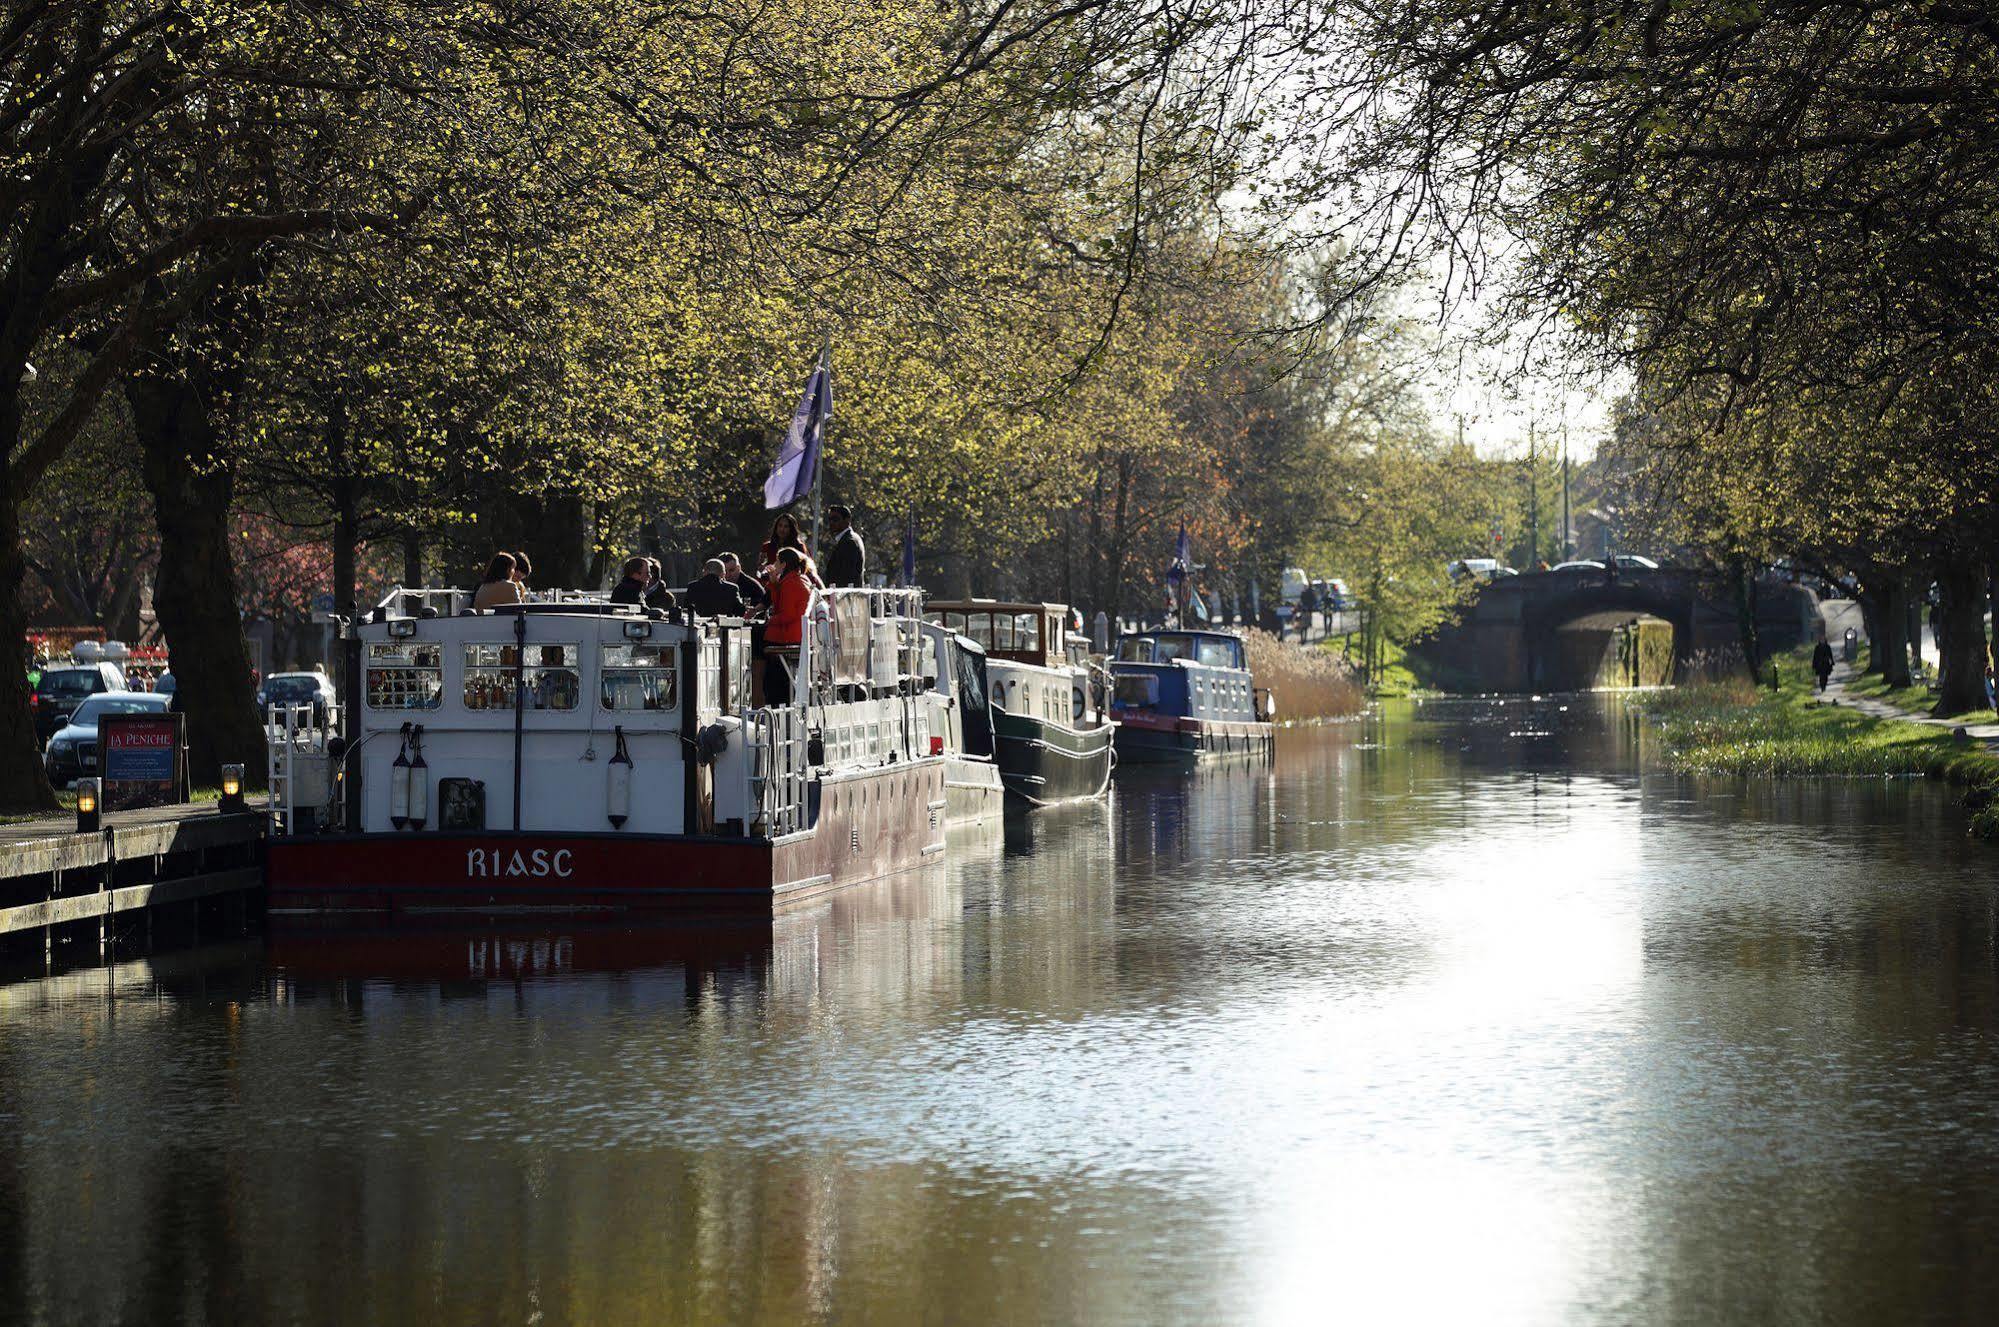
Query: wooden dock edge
(169, 854)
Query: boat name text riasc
(497, 863)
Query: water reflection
(1466, 1014)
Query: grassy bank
(1731, 727)
(1917, 699)
(1309, 683)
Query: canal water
(1464, 1014)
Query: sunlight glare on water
(1467, 1014)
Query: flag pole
(825, 436)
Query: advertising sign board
(143, 759)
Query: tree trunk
(345, 491)
(195, 595)
(1742, 578)
(1114, 573)
(1914, 605)
(1891, 646)
(1870, 623)
(1961, 685)
(346, 538)
(24, 786)
(412, 559)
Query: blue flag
(797, 465)
(909, 551)
(1183, 558)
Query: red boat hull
(871, 824)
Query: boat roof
(959, 638)
(993, 606)
(1180, 631)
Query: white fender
(419, 786)
(399, 788)
(618, 784)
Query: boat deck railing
(404, 602)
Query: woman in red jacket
(790, 599)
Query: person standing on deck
(846, 556)
(790, 598)
(784, 534)
(755, 600)
(1822, 661)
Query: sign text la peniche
(142, 759)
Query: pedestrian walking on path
(1822, 661)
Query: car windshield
(70, 682)
(91, 710)
(291, 688)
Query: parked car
(59, 690)
(1334, 597)
(1291, 583)
(298, 689)
(72, 751)
(1633, 562)
(1581, 564)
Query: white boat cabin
(576, 715)
(1036, 664)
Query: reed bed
(1309, 683)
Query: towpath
(1840, 614)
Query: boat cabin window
(640, 677)
(403, 675)
(1220, 652)
(1028, 635)
(551, 679)
(1166, 646)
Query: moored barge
(1183, 696)
(588, 757)
(1051, 727)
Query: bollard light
(86, 806)
(231, 801)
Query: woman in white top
(499, 587)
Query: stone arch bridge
(1548, 630)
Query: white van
(1292, 584)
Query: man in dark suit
(632, 589)
(713, 596)
(846, 560)
(752, 590)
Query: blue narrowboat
(1181, 695)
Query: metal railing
(779, 771)
(299, 754)
(404, 602)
